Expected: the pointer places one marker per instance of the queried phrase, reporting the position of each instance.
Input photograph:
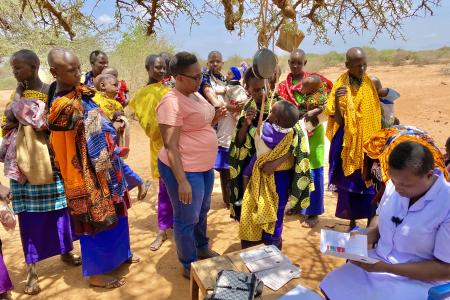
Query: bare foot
(160, 239)
(105, 281)
(32, 286)
(143, 189)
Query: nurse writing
(411, 231)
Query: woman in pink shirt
(187, 160)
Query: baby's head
(311, 84)
(284, 114)
(107, 84)
(234, 74)
(112, 71)
(382, 92)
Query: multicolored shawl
(313, 101)
(89, 79)
(144, 104)
(87, 187)
(362, 118)
(107, 105)
(287, 89)
(28, 111)
(381, 144)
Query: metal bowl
(264, 63)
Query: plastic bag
(7, 216)
(290, 36)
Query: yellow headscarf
(144, 105)
(362, 117)
(108, 105)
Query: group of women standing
(78, 187)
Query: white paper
(344, 245)
(266, 263)
(300, 292)
(277, 277)
(259, 253)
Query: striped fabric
(38, 198)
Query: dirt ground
(424, 103)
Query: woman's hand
(269, 167)
(219, 114)
(185, 192)
(379, 267)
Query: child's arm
(271, 166)
(250, 115)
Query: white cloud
(104, 20)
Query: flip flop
(71, 259)
(144, 192)
(133, 259)
(157, 243)
(310, 223)
(32, 287)
(115, 283)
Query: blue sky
(421, 33)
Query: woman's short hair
(181, 61)
(150, 60)
(27, 56)
(412, 156)
(94, 54)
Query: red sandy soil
(423, 103)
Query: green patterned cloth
(240, 157)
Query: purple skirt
(354, 198)
(316, 205)
(5, 281)
(45, 234)
(222, 159)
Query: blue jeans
(189, 220)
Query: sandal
(111, 284)
(71, 259)
(133, 259)
(5, 296)
(310, 222)
(157, 243)
(143, 194)
(32, 286)
(291, 212)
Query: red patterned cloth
(286, 88)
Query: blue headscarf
(236, 73)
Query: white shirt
(424, 234)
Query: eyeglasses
(196, 78)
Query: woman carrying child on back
(279, 170)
